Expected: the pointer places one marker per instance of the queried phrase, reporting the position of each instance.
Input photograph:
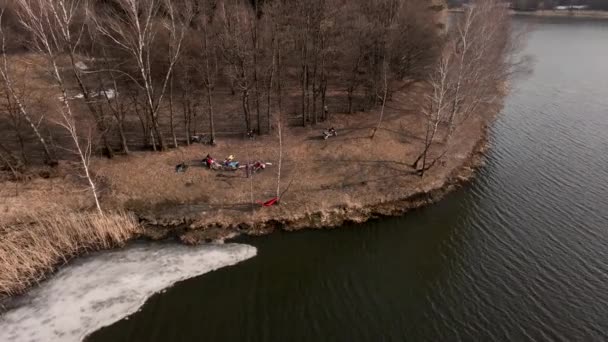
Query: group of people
(230, 164)
(210, 162)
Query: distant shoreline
(554, 13)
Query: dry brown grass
(350, 170)
(42, 196)
(29, 252)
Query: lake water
(520, 255)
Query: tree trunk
(232, 90)
(22, 147)
(118, 110)
(315, 93)
(123, 138)
(350, 100)
(16, 123)
(153, 140)
(194, 115)
(24, 113)
(323, 88)
(383, 101)
(303, 80)
(269, 97)
(279, 119)
(208, 84)
(143, 120)
(210, 104)
(8, 159)
(304, 88)
(255, 70)
(97, 115)
(69, 123)
(428, 142)
(187, 118)
(171, 114)
(157, 132)
(245, 104)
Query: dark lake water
(520, 255)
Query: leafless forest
(153, 73)
(82, 82)
(81, 78)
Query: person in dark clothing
(182, 167)
(209, 161)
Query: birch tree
(238, 50)
(434, 110)
(13, 95)
(134, 27)
(208, 43)
(41, 19)
(70, 30)
(481, 53)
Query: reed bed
(29, 252)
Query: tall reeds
(29, 252)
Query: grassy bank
(30, 251)
(554, 14)
(564, 14)
(348, 178)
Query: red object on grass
(270, 202)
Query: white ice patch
(99, 290)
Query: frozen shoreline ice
(98, 290)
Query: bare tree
(238, 50)
(134, 25)
(279, 114)
(434, 110)
(69, 35)
(486, 53)
(116, 103)
(309, 34)
(480, 53)
(11, 111)
(208, 43)
(41, 19)
(276, 12)
(255, 42)
(13, 94)
(415, 40)
(9, 161)
(385, 73)
(356, 29)
(276, 24)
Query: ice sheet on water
(99, 290)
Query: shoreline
(348, 179)
(322, 219)
(578, 14)
(156, 229)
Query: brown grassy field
(348, 170)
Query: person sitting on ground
(182, 167)
(229, 160)
(209, 161)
